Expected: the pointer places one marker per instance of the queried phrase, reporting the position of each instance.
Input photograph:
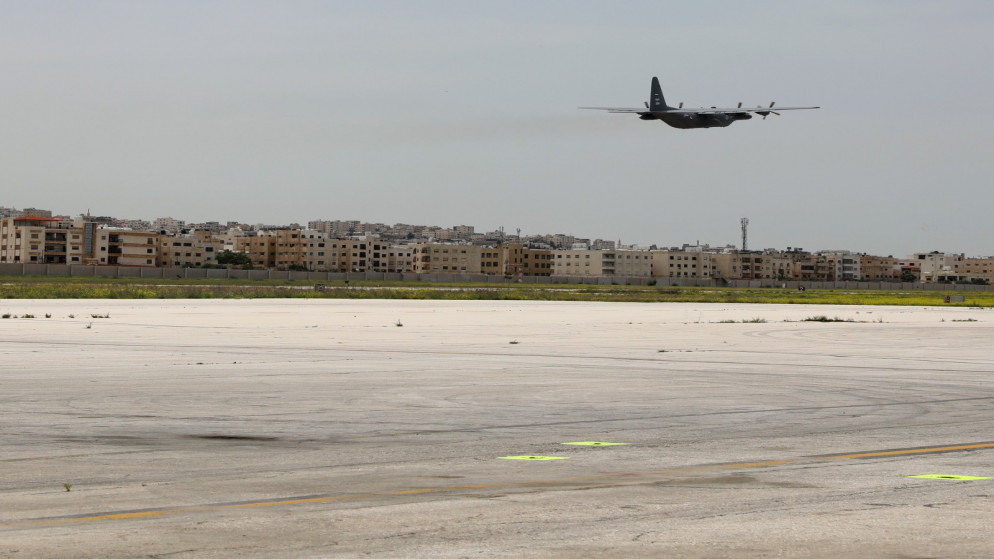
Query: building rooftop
(36, 218)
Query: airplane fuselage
(687, 120)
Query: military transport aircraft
(679, 117)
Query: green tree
(231, 258)
(908, 276)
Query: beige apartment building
(307, 249)
(934, 267)
(783, 265)
(34, 240)
(839, 265)
(313, 250)
(40, 240)
(274, 249)
(260, 250)
(879, 268)
(289, 248)
(748, 265)
(585, 263)
(45, 240)
(134, 248)
(400, 259)
(323, 254)
(493, 261)
(619, 263)
(681, 264)
(978, 269)
(536, 262)
(630, 263)
(361, 255)
(193, 250)
(802, 266)
(436, 258)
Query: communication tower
(745, 227)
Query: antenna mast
(745, 227)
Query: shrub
(823, 318)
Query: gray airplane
(679, 117)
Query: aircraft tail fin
(656, 100)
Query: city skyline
(594, 241)
(400, 113)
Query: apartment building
(400, 259)
(137, 248)
(879, 268)
(192, 250)
(742, 265)
(681, 264)
(839, 265)
(797, 265)
(586, 263)
(42, 240)
(168, 224)
(620, 263)
(33, 240)
(46, 240)
(978, 269)
(361, 255)
(494, 261)
(536, 262)
(260, 249)
(629, 263)
(935, 266)
(312, 250)
(29, 212)
(436, 258)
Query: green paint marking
(946, 476)
(533, 458)
(595, 443)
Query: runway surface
(298, 428)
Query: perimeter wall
(64, 270)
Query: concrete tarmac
(299, 428)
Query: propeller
(646, 104)
(681, 105)
(767, 113)
(740, 104)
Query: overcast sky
(449, 113)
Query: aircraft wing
(722, 110)
(700, 111)
(617, 109)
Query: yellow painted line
(118, 516)
(952, 477)
(133, 515)
(908, 451)
(533, 458)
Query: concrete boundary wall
(57, 270)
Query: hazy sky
(447, 113)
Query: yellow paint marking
(416, 491)
(908, 451)
(765, 464)
(952, 477)
(119, 516)
(510, 484)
